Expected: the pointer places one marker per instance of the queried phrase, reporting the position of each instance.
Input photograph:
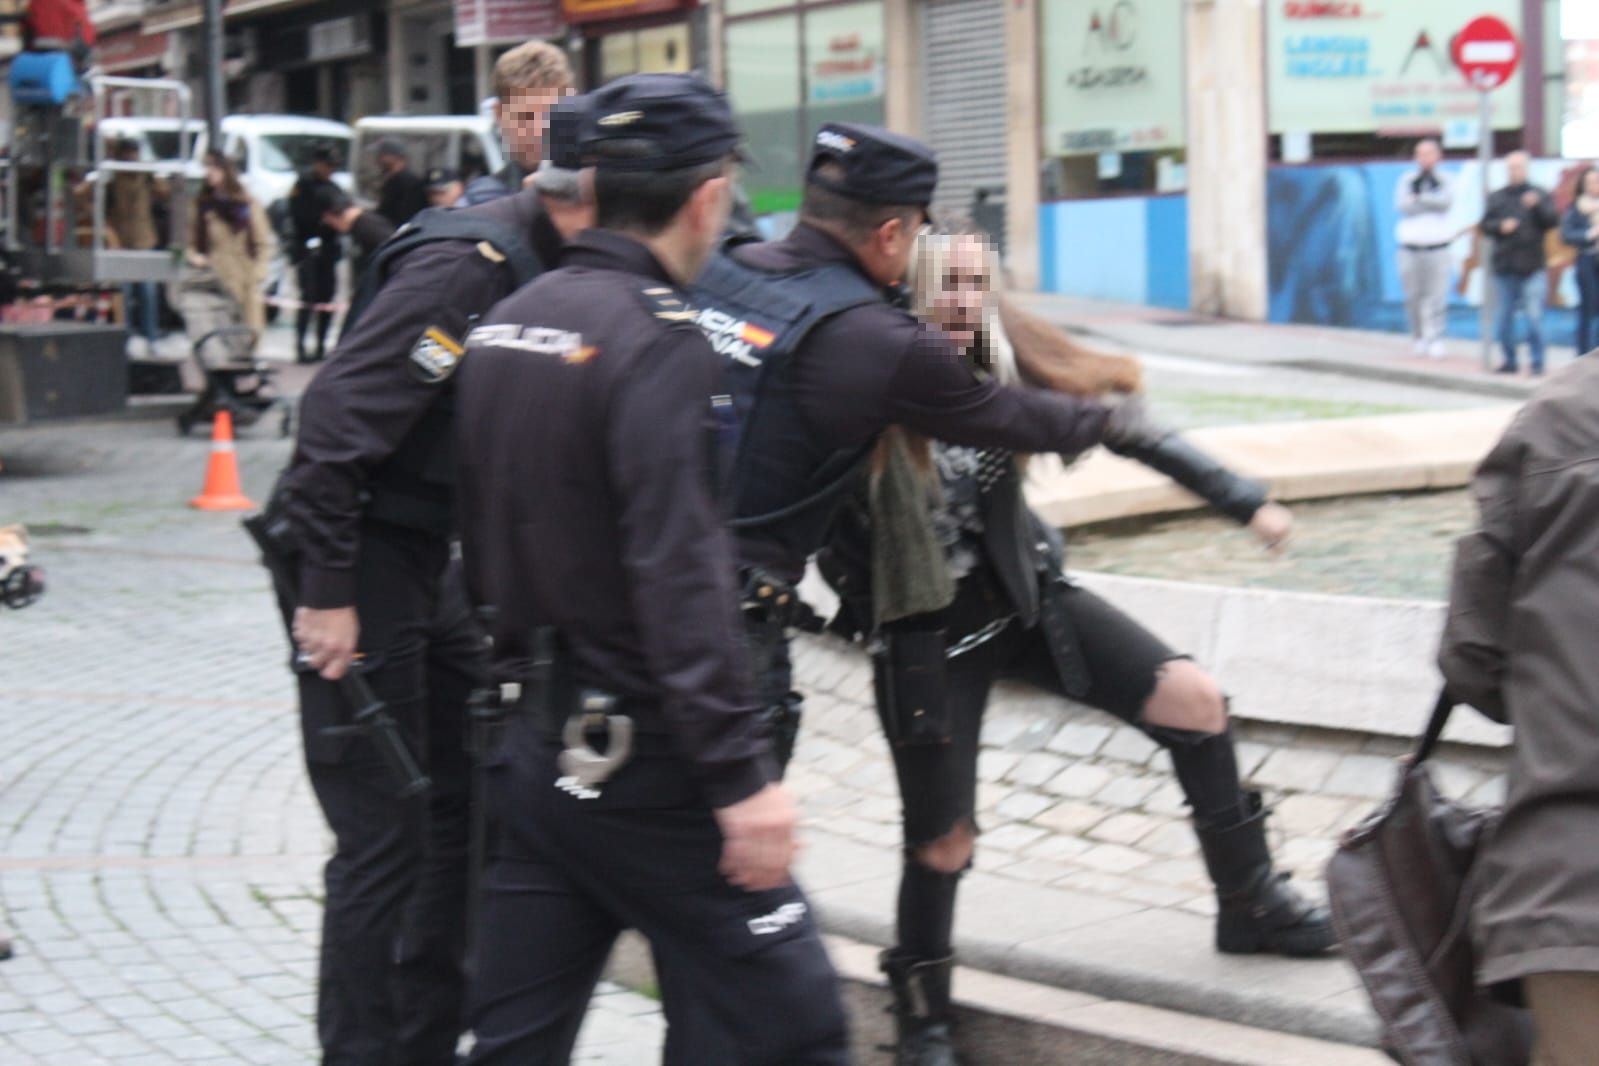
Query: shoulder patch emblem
(667, 305)
(435, 356)
(489, 252)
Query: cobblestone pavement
(160, 851)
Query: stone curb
(1007, 1021)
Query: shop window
(655, 50)
(1578, 103)
(1112, 97)
(791, 71)
(1363, 81)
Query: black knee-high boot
(1258, 910)
(324, 319)
(302, 322)
(919, 969)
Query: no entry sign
(1487, 52)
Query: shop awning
(130, 50)
(603, 10)
(506, 21)
(181, 14)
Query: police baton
(370, 714)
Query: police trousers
(391, 990)
(743, 976)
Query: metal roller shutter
(963, 84)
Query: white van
(467, 144)
(270, 150)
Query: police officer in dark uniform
(819, 361)
(315, 250)
(368, 502)
(636, 788)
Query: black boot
(1259, 912)
(922, 1017)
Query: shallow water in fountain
(1397, 546)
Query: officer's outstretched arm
(933, 392)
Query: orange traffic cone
(222, 491)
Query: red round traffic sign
(1487, 52)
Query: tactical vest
(757, 320)
(414, 487)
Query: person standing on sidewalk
(404, 193)
(1518, 646)
(1580, 229)
(527, 81)
(1423, 198)
(315, 251)
(368, 500)
(1517, 218)
(589, 522)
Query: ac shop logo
(1114, 29)
(563, 344)
(737, 338)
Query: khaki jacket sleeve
(1474, 653)
(266, 242)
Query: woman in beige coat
(1519, 646)
(230, 242)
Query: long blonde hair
(1015, 345)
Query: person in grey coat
(1519, 646)
(1423, 199)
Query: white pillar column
(1227, 157)
(1023, 121)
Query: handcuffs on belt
(584, 769)
(578, 760)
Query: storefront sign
(849, 68)
(339, 38)
(1375, 66)
(1114, 75)
(601, 10)
(505, 21)
(130, 50)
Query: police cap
(673, 120)
(439, 177)
(563, 141)
(879, 166)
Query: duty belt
(576, 715)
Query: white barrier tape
(284, 301)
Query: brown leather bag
(1401, 886)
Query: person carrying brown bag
(1518, 646)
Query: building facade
(1227, 156)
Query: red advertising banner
(505, 21)
(130, 50)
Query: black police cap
(879, 166)
(563, 142)
(439, 177)
(672, 120)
